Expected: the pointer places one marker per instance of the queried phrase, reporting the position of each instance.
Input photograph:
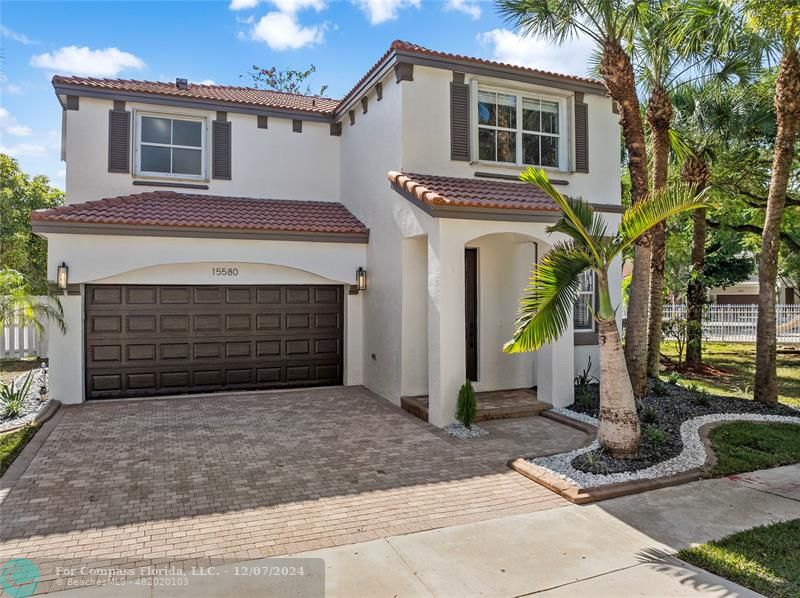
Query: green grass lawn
(11, 445)
(748, 446)
(765, 559)
(736, 363)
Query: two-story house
(225, 238)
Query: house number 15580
(215, 271)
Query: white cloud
(13, 35)
(282, 31)
(12, 88)
(84, 61)
(207, 82)
(468, 7)
(287, 6)
(9, 124)
(24, 150)
(380, 11)
(293, 6)
(570, 58)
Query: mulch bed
(662, 412)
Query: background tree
(287, 80)
(546, 305)
(19, 307)
(778, 20)
(610, 24)
(20, 249)
(663, 65)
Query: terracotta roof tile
(474, 193)
(217, 93)
(169, 208)
(403, 46)
(280, 100)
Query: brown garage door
(156, 340)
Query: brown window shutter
(119, 141)
(581, 137)
(221, 136)
(459, 121)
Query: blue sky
(218, 42)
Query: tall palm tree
(663, 65)
(696, 172)
(547, 303)
(611, 25)
(780, 21)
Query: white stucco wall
(274, 163)
(504, 264)
(426, 107)
(110, 259)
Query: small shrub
(743, 392)
(656, 436)
(584, 379)
(593, 462)
(639, 404)
(659, 388)
(582, 397)
(467, 407)
(673, 378)
(649, 415)
(692, 387)
(12, 398)
(702, 398)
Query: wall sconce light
(361, 279)
(62, 276)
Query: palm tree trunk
(617, 72)
(696, 291)
(695, 171)
(618, 429)
(659, 116)
(787, 109)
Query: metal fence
(737, 323)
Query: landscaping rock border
(557, 473)
(460, 431)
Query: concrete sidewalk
(620, 547)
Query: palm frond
(657, 207)
(679, 146)
(578, 219)
(21, 309)
(546, 305)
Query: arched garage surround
(117, 260)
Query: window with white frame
(582, 318)
(170, 146)
(520, 129)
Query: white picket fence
(737, 323)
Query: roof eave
(184, 102)
(43, 227)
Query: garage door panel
(156, 340)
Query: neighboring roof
(194, 211)
(216, 93)
(259, 98)
(442, 191)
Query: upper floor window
(172, 147)
(520, 129)
(582, 318)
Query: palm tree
(611, 25)
(19, 308)
(663, 65)
(547, 304)
(780, 21)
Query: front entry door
(471, 311)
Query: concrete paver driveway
(255, 475)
